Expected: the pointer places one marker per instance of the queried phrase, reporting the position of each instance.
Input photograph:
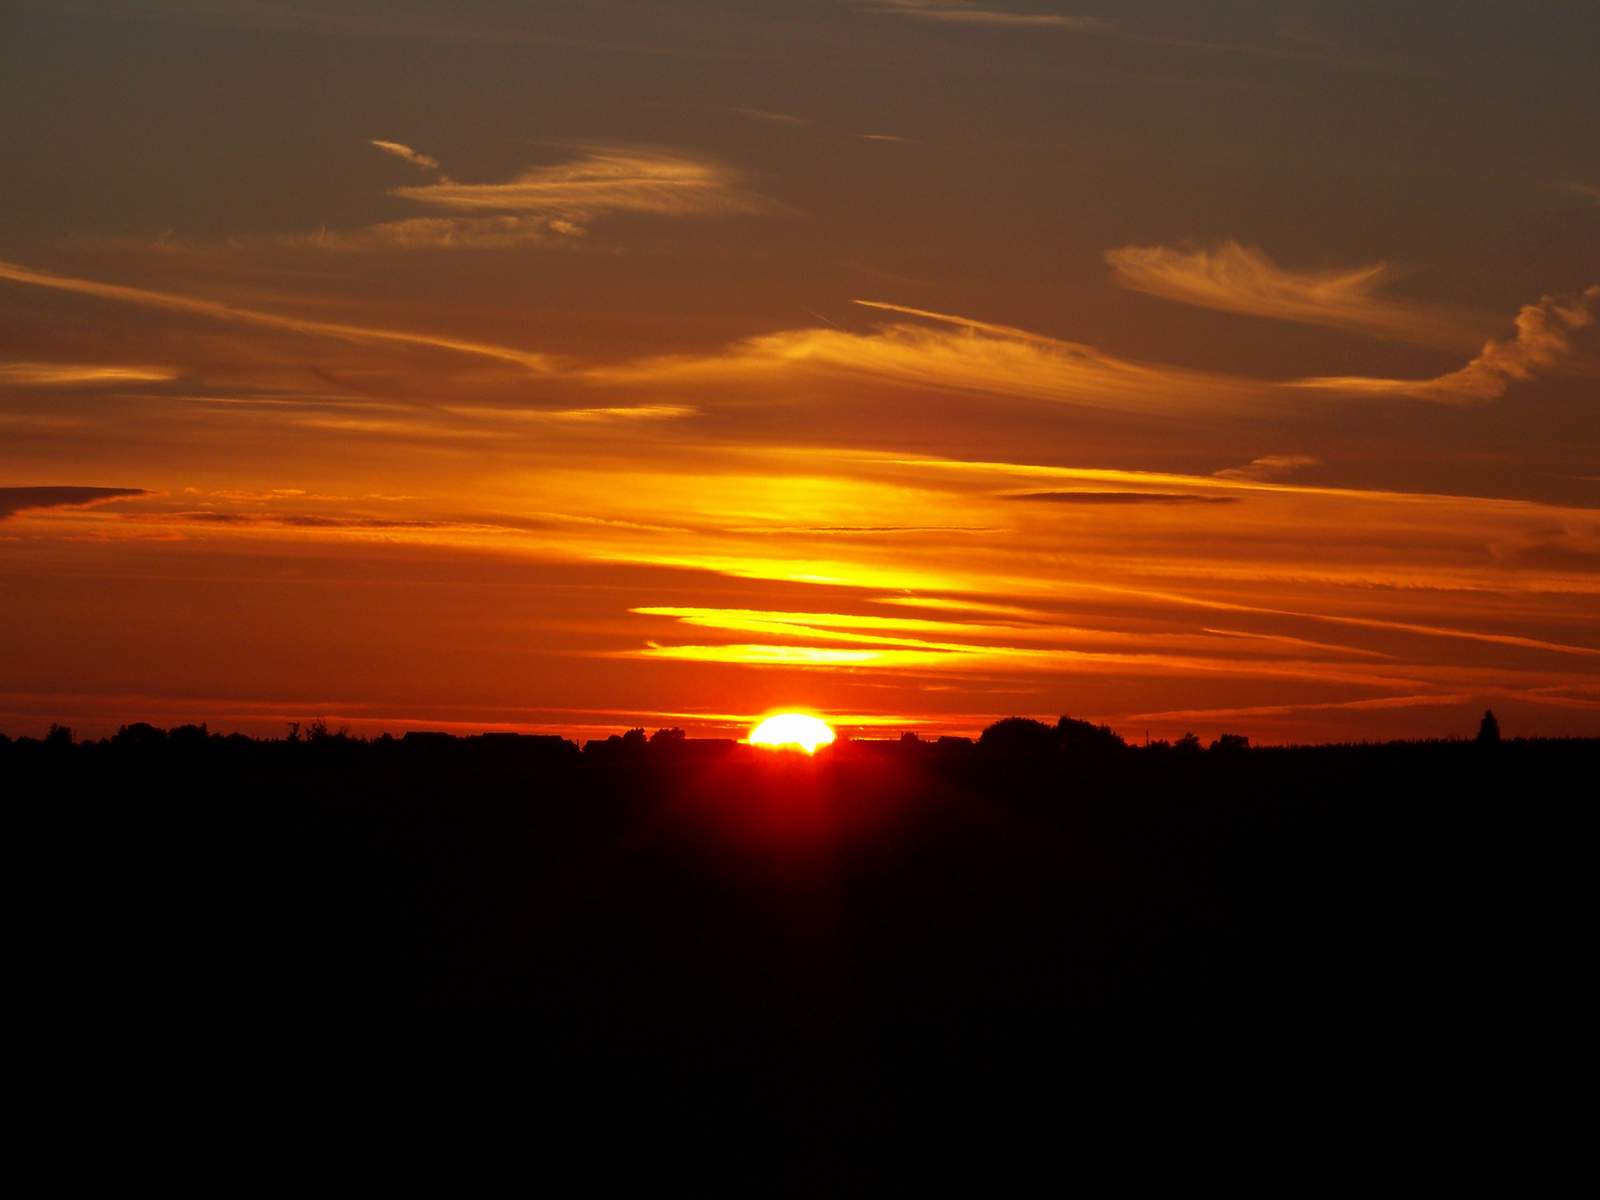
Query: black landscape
(905, 906)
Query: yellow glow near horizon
(792, 731)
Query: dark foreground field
(863, 934)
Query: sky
(588, 364)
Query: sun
(798, 731)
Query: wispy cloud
(15, 499)
(499, 232)
(45, 374)
(219, 311)
(551, 206)
(404, 152)
(963, 12)
(1242, 279)
(764, 114)
(602, 415)
(1541, 344)
(942, 351)
(601, 180)
(1119, 498)
(1269, 467)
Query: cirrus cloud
(405, 153)
(948, 353)
(49, 374)
(962, 12)
(1543, 341)
(601, 180)
(16, 499)
(551, 206)
(1243, 279)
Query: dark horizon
(319, 730)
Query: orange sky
(915, 362)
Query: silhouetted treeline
(1010, 737)
(838, 945)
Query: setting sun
(792, 731)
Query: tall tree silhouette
(1488, 729)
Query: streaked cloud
(500, 232)
(602, 180)
(874, 643)
(17, 499)
(217, 310)
(1269, 467)
(1543, 343)
(551, 207)
(1120, 498)
(963, 12)
(941, 351)
(775, 118)
(44, 374)
(603, 415)
(1242, 279)
(404, 152)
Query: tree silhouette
(140, 733)
(1488, 729)
(1018, 735)
(1082, 738)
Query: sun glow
(797, 731)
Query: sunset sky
(583, 364)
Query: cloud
(402, 151)
(1542, 343)
(776, 118)
(1268, 467)
(962, 12)
(604, 179)
(1242, 279)
(974, 356)
(549, 207)
(43, 374)
(447, 233)
(637, 412)
(15, 499)
(1119, 498)
(218, 311)
(600, 415)
(299, 520)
